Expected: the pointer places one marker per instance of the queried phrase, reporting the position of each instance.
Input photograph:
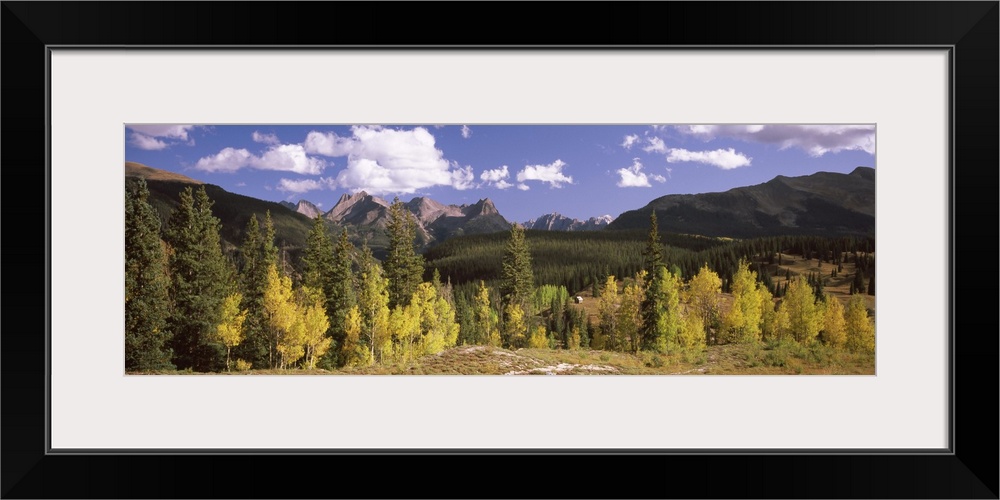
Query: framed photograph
(910, 90)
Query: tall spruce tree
(403, 266)
(517, 279)
(340, 299)
(147, 302)
(199, 276)
(257, 253)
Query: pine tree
(340, 298)
(653, 255)
(199, 277)
(317, 260)
(404, 268)
(257, 253)
(147, 302)
(871, 285)
(517, 278)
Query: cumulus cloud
(463, 178)
(143, 141)
(523, 187)
(496, 177)
(633, 176)
(285, 157)
(551, 174)
(305, 185)
(725, 159)
(383, 160)
(655, 145)
(466, 132)
(265, 138)
(227, 160)
(157, 137)
(629, 141)
(816, 140)
(179, 132)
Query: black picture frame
(968, 470)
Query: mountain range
(820, 204)
(558, 222)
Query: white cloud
(143, 141)
(725, 159)
(382, 160)
(157, 137)
(656, 145)
(227, 160)
(241, 184)
(817, 140)
(289, 158)
(179, 132)
(523, 187)
(463, 178)
(305, 185)
(466, 132)
(551, 173)
(496, 177)
(265, 138)
(629, 141)
(286, 157)
(634, 176)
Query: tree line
(189, 306)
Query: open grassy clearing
(732, 359)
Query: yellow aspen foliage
(538, 339)
(573, 341)
(691, 335)
(834, 325)
(281, 312)
(860, 328)
(515, 329)
(315, 324)
(485, 319)
(607, 311)
(742, 322)
(630, 314)
(804, 318)
(229, 331)
(291, 346)
(373, 304)
(703, 294)
(405, 328)
(768, 316)
(353, 351)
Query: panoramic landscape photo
(500, 249)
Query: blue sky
(579, 171)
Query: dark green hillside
(572, 259)
(821, 204)
(233, 210)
